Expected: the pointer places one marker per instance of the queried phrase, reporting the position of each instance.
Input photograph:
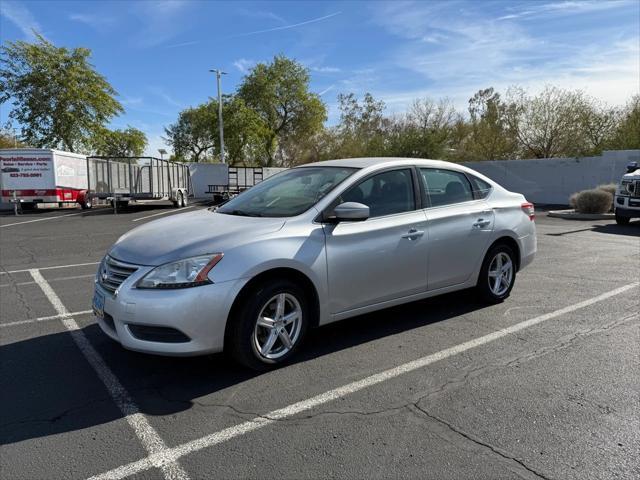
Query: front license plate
(98, 304)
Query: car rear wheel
(270, 325)
(497, 275)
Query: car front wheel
(497, 275)
(268, 328)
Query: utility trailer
(240, 179)
(120, 180)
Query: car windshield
(288, 193)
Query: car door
(385, 256)
(460, 225)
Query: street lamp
(219, 73)
(162, 153)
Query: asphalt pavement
(544, 385)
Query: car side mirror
(350, 212)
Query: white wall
(553, 180)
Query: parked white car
(311, 245)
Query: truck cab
(627, 201)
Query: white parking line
(163, 213)
(173, 454)
(147, 435)
(58, 279)
(41, 219)
(44, 319)
(50, 268)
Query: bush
(572, 200)
(609, 187)
(593, 201)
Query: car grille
(636, 189)
(113, 272)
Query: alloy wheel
(500, 274)
(278, 326)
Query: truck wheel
(622, 220)
(184, 200)
(86, 204)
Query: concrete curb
(573, 215)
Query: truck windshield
(288, 193)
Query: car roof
(380, 161)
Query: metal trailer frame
(239, 179)
(124, 179)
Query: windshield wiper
(240, 213)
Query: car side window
(446, 187)
(386, 193)
(481, 189)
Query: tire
(86, 205)
(489, 289)
(248, 342)
(622, 220)
(179, 200)
(184, 200)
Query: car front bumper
(627, 212)
(198, 313)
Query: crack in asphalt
(478, 441)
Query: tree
(195, 135)
(279, 93)
(58, 98)
(547, 125)
(130, 142)
(425, 131)
(490, 136)
(627, 132)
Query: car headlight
(189, 272)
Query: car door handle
(481, 223)
(413, 234)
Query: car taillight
(529, 210)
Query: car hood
(189, 234)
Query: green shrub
(593, 201)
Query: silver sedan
(311, 245)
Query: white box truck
(34, 175)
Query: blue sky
(157, 53)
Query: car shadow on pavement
(49, 388)
(631, 230)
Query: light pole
(219, 73)
(162, 153)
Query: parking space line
(59, 279)
(147, 435)
(50, 268)
(173, 454)
(41, 219)
(162, 213)
(44, 319)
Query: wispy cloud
(286, 27)
(21, 17)
(244, 65)
(97, 22)
(264, 15)
(326, 69)
(182, 44)
(161, 21)
(161, 93)
(536, 10)
(326, 90)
